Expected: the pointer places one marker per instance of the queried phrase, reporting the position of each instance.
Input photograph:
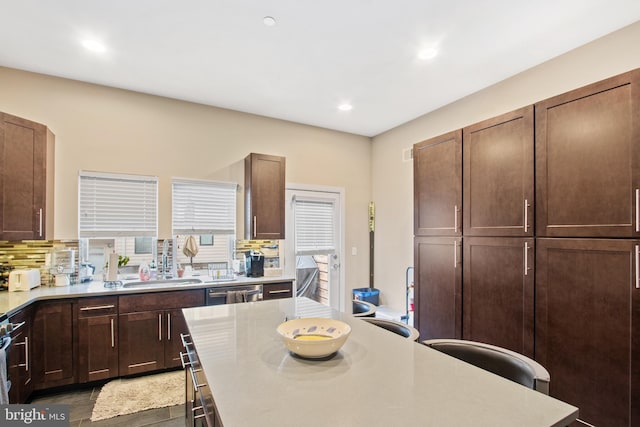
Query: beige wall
(99, 128)
(106, 129)
(392, 179)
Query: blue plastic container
(367, 294)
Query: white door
(314, 243)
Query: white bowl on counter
(314, 337)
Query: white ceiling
(319, 54)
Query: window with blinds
(314, 225)
(203, 207)
(111, 205)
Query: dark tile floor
(81, 404)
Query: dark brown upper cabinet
(26, 179)
(437, 186)
(264, 178)
(588, 160)
(498, 168)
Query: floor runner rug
(130, 395)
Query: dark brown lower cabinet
(438, 287)
(150, 340)
(97, 338)
(587, 333)
(149, 329)
(277, 290)
(141, 343)
(53, 345)
(498, 292)
(175, 325)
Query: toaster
(24, 280)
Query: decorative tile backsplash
(270, 249)
(32, 254)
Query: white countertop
(12, 301)
(377, 378)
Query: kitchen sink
(160, 282)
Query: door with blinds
(314, 223)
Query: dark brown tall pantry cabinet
(553, 274)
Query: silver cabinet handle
(455, 254)
(637, 267)
(255, 221)
(159, 327)
(26, 353)
(281, 291)
(637, 210)
(40, 227)
(168, 326)
(97, 307)
(526, 215)
(113, 336)
(455, 218)
(25, 343)
(526, 258)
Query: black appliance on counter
(254, 264)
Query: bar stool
(500, 361)
(363, 309)
(399, 328)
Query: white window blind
(203, 207)
(314, 225)
(113, 205)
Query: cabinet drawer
(100, 306)
(277, 290)
(161, 301)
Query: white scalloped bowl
(314, 337)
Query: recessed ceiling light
(345, 107)
(269, 21)
(428, 53)
(94, 45)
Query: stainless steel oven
(9, 333)
(230, 294)
(5, 342)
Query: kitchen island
(376, 379)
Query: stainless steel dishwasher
(231, 294)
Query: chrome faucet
(165, 256)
